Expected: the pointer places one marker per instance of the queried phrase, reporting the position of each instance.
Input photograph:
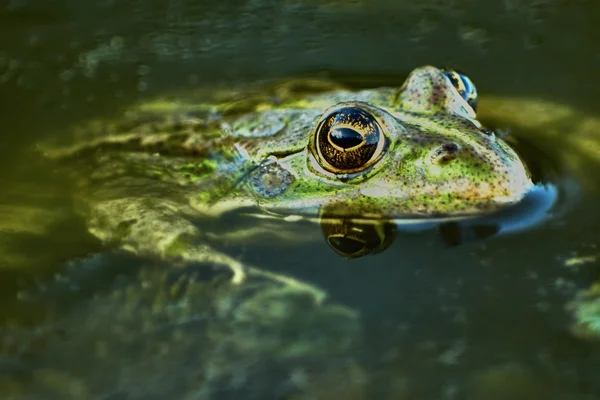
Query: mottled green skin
(147, 179)
(199, 324)
(217, 145)
(425, 114)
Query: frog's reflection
(453, 234)
(355, 236)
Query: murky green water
(482, 320)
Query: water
(482, 320)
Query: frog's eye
(348, 140)
(464, 86)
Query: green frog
(170, 179)
(416, 153)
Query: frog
(414, 153)
(165, 183)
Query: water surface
(482, 320)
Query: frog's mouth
(533, 209)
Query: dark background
(64, 61)
(61, 60)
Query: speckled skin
(198, 324)
(149, 177)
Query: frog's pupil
(345, 138)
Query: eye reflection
(355, 237)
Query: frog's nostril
(445, 153)
(450, 148)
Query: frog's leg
(162, 228)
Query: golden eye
(464, 86)
(348, 140)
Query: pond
(506, 307)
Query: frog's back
(191, 141)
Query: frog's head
(418, 153)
